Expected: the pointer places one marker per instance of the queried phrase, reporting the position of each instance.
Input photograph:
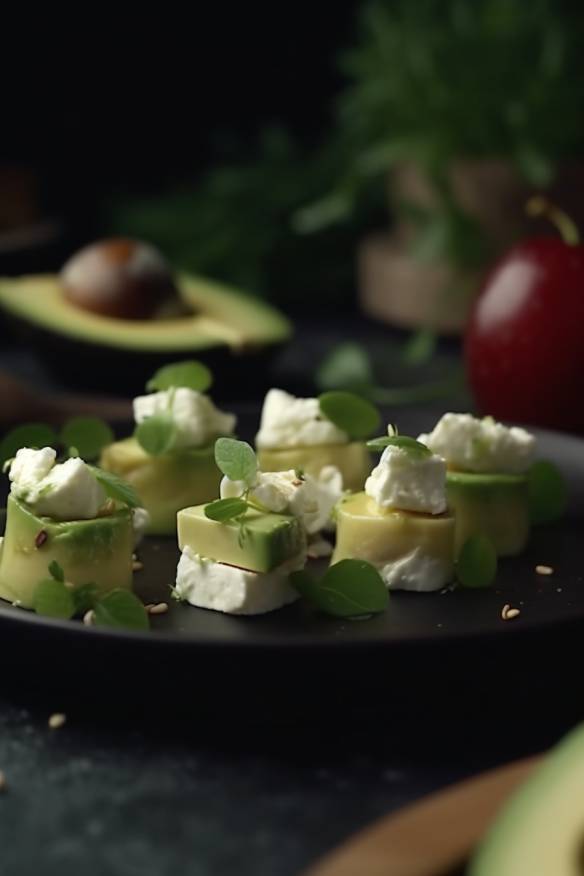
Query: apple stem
(540, 206)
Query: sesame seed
(513, 612)
(504, 610)
(57, 720)
(544, 570)
(157, 608)
(89, 617)
(137, 566)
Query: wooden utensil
(429, 838)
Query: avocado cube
(494, 505)
(165, 483)
(95, 551)
(262, 542)
(352, 459)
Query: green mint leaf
(420, 347)
(354, 415)
(350, 588)
(477, 562)
(33, 435)
(85, 598)
(56, 571)
(120, 608)
(547, 491)
(404, 442)
(192, 375)
(53, 599)
(223, 510)
(156, 434)
(346, 367)
(236, 459)
(116, 488)
(88, 435)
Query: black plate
(427, 631)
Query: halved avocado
(225, 326)
(541, 829)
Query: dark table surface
(147, 792)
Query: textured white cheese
(418, 570)
(481, 445)
(27, 471)
(140, 520)
(288, 421)
(68, 491)
(408, 482)
(284, 492)
(208, 584)
(196, 419)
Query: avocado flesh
(222, 317)
(267, 542)
(353, 461)
(494, 505)
(95, 551)
(541, 829)
(165, 483)
(367, 532)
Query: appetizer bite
(69, 514)
(170, 458)
(310, 433)
(400, 523)
(238, 551)
(486, 480)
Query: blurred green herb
(353, 414)
(86, 435)
(548, 492)
(190, 374)
(350, 588)
(476, 566)
(156, 434)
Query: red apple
(524, 345)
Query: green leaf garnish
(404, 442)
(85, 597)
(156, 434)
(120, 608)
(354, 415)
(190, 374)
(56, 571)
(346, 367)
(223, 510)
(53, 599)
(88, 435)
(116, 488)
(236, 459)
(33, 435)
(547, 492)
(477, 562)
(350, 588)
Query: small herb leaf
(223, 510)
(404, 442)
(236, 459)
(354, 415)
(120, 608)
(34, 435)
(548, 493)
(346, 367)
(192, 375)
(116, 488)
(56, 571)
(477, 562)
(156, 434)
(350, 588)
(88, 435)
(85, 598)
(53, 599)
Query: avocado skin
(541, 828)
(97, 551)
(495, 505)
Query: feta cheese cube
(196, 419)
(69, 492)
(419, 570)
(482, 445)
(207, 584)
(408, 482)
(28, 469)
(288, 421)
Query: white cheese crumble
(67, 491)
(481, 445)
(288, 421)
(140, 521)
(418, 570)
(207, 584)
(196, 419)
(408, 481)
(285, 492)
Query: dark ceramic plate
(430, 631)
